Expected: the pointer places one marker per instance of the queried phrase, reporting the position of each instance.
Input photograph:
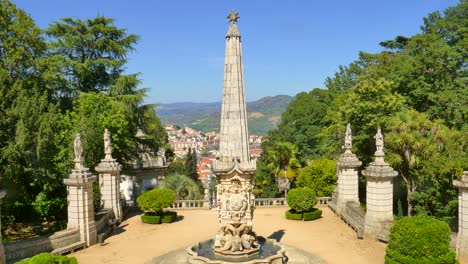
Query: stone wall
(26, 248)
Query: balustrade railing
(259, 202)
(190, 204)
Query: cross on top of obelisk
(233, 17)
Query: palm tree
(282, 161)
(184, 187)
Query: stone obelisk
(234, 169)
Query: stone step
(69, 248)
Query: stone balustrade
(259, 202)
(190, 204)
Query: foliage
(48, 258)
(184, 187)
(419, 239)
(49, 209)
(191, 164)
(315, 213)
(153, 201)
(320, 176)
(293, 215)
(282, 161)
(415, 89)
(265, 186)
(176, 167)
(57, 82)
(150, 219)
(301, 199)
(168, 216)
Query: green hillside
(264, 114)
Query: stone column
(109, 179)
(379, 175)
(347, 173)
(80, 198)
(462, 238)
(2, 250)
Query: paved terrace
(328, 238)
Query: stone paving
(328, 239)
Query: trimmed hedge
(155, 200)
(47, 258)
(301, 199)
(168, 217)
(312, 215)
(151, 219)
(419, 239)
(293, 215)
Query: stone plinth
(379, 196)
(80, 203)
(109, 183)
(462, 238)
(348, 180)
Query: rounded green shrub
(150, 219)
(152, 202)
(47, 258)
(293, 215)
(419, 239)
(301, 199)
(312, 215)
(168, 217)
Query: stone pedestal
(348, 180)
(379, 205)
(109, 183)
(462, 238)
(80, 203)
(2, 250)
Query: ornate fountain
(235, 241)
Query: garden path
(328, 238)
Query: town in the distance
(206, 146)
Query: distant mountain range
(263, 114)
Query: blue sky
(288, 46)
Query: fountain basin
(271, 252)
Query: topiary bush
(312, 215)
(419, 239)
(47, 258)
(293, 215)
(168, 217)
(152, 202)
(301, 199)
(151, 219)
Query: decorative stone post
(109, 179)
(234, 169)
(379, 213)
(347, 173)
(2, 250)
(80, 197)
(462, 185)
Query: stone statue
(348, 138)
(379, 141)
(78, 148)
(107, 144)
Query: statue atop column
(348, 138)
(379, 143)
(107, 145)
(78, 148)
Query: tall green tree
(283, 162)
(319, 176)
(191, 164)
(184, 187)
(416, 145)
(28, 118)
